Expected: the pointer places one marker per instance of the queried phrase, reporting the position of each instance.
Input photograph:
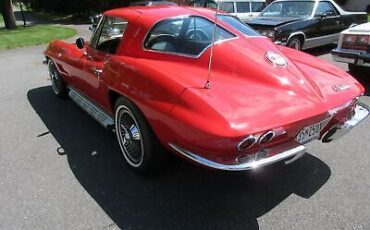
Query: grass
(33, 35)
(368, 17)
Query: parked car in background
(303, 24)
(354, 47)
(217, 94)
(245, 10)
(203, 3)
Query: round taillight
(266, 137)
(247, 143)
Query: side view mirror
(321, 16)
(80, 43)
(93, 28)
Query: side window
(109, 34)
(242, 7)
(258, 6)
(325, 8)
(188, 36)
(227, 7)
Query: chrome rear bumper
(295, 153)
(360, 58)
(361, 112)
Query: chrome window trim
(99, 29)
(308, 42)
(297, 33)
(181, 54)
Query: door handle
(97, 71)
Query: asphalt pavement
(59, 169)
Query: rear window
(188, 36)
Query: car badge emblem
(276, 59)
(340, 87)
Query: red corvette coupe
(204, 86)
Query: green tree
(6, 9)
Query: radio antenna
(208, 83)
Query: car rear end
(354, 46)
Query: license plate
(308, 134)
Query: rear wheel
(57, 83)
(295, 43)
(139, 145)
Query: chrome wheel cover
(295, 45)
(54, 77)
(129, 136)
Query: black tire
(57, 83)
(295, 43)
(139, 146)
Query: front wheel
(138, 144)
(57, 83)
(295, 43)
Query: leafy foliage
(82, 7)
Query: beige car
(354, 47)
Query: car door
(103, 45)
(329, 20)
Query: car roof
(159, 12)
(151, 3)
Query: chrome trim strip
(362, 111)
(357, 57)
(188, 55)
(297, 33)
(319, 41)
(299, 150)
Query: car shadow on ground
(363, 77)
(183, 196)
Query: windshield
(238, 25)
(296, 9)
